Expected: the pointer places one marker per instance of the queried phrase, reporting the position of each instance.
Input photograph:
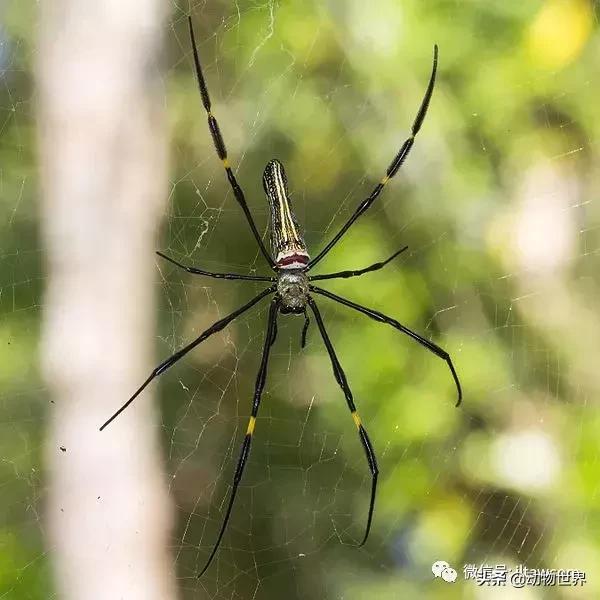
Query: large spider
(291, 286)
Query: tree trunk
(102, 135)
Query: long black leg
(221, 149)
(385, 319)
(304, 329)
(169, 362)
(274, 332)
(196, 271)
(394, 165)
(258, 388)
(340, 377)
(356, 273)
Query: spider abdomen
(292, 288)
(286, 239)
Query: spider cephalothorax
(292, 287)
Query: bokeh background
(498, 204)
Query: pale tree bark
(102, 134)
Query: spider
(292, 287)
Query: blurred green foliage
(498, 204)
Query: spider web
(497, 205)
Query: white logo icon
(440, 568)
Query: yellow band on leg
(226, 163)
(251, 425)
(356, 419)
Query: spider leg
(357, 272)
(221, 149)
(245, 451)
(394, 165)
(340, 377)
(274, 332)
(196, 271)
(169, 362)
(304, 329)
(377, 316)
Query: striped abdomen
(288, 246)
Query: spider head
(292, 288)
